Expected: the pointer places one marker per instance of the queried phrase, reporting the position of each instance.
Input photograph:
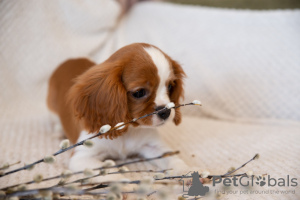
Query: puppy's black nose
(163, 114)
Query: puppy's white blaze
(163, 68)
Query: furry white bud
(170, 105)
(61, 182)
(88, 172)
(256, 157)
(49, 159)
(29, 168)
(249, 173)
(66, 174)
(115, 188)
(111, 196)
(5, 166)
(205, 174)
(159, 176)
(103, 172)
(22, 187)
(231, 169)
(64, 144)
(197, 102)
(123, 169)
(85, 181)
(108, 163)
(105, 128)
(38, 178)
(120, 124)
(88, 143)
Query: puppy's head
(136, 80)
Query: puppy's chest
(131, 143)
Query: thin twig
(243, 165)
(92, 137)
(166, 154)
(110, 173)
(102, 185)
(106, 184)
(9, 165)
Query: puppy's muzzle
(163, 114)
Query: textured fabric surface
(242, 65)
(211, 145)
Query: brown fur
(177, 91)
(60, 82)
(101, 94)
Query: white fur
(138, 140)
(164, 71)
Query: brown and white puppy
(136, 80)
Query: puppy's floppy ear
(98, 97)
(177, 90)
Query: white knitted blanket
(243, 65)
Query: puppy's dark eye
(170, 88)
(139, 93)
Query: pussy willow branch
(117, 172)
(166, 154)
(105, 184)
(9, 165)
(228, 174)
(243, 165)
(92, 137)
(37, 191)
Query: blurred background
(241, 57)
(243, 4)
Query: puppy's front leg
(92, 157)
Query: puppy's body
(136, 80)
(60, 83)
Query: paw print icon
(261, 181)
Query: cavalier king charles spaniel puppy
(136, 80)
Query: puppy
(136, 80)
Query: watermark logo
(261, 181)
(251, 181)
(197, 188)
